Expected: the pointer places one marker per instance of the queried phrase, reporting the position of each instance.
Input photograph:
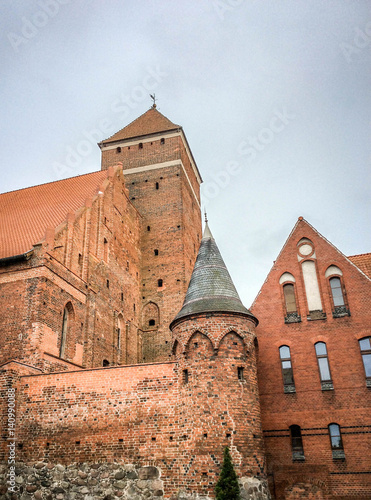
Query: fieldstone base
(43, 481)
(254, 488)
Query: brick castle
(128, 362)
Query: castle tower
(164, 185)
(215, 347)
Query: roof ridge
(359, 255)
(53, 182)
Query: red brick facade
(342, 398)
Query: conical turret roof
(211, 288)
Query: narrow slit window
(160, 283)
(337, 292)
(365, 347)
(290, 300)
(336, 442)
(141, 145)
(296, 443)
(185, 376)
(118, 149)
(162, 141)
(240, 373)
(323, 365)
(156, 251)
(157, 185)
(64, 333)
(286, 366)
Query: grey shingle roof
(211, 288)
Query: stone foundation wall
(43, 481)
(108, 481)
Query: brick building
(124, 341)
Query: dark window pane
(289, 294)
(284, 352)
(367, 362)
(288, 378)
(335, 436)
(324, 369)
(365, 344)
(321, 349)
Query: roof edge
(248, 314)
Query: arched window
(365, 347)
(287, 373)
(291, 310)
(296, 444)
(337, 292)
(336, 441)
(323, 366)
(289, 294)
(312, 290)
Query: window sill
(298, 457)
(338, 455)
(289, 389)
(292, 318)
(340, 312)
(316, 315)
(327, 386)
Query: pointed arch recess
(199, 344)
(231, 341)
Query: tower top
(211, 288)
(150, 122)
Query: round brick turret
(215, 347)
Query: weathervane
(153, 97)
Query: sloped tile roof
(211, 288)
(150, 122)
(363, 261)
(26, 214)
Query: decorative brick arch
(199, 345)
(232, 343)
(150, 316)
(247, 344)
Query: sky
(274, 98)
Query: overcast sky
(274, 98)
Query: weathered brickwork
(219, 401)
(89, 265)
(312, 407)
(114, 398)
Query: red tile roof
(363, 261)
(150, 122)
(25, 214)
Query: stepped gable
(150, 122)
(26, 214)
(211, 288)
(363, 262)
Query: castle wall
(89, 265)
(345, 400)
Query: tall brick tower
(164, 185)
(214, 345)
